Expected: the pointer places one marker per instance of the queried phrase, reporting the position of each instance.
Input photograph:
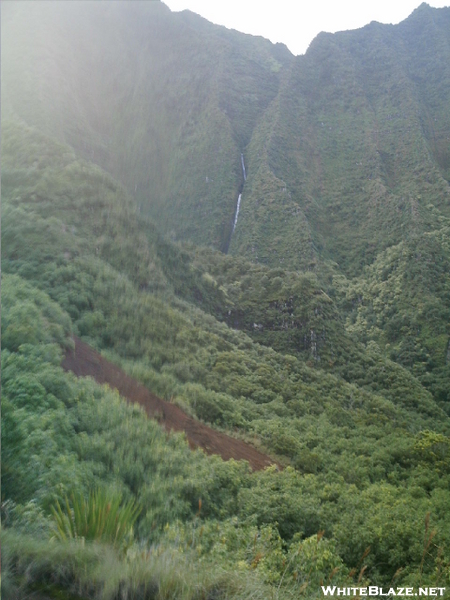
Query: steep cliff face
(166, 102)
(352, 156)
(346, 147)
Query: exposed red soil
(85, 361)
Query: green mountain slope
(317, 329)
(346, 147)
(167, 108)
(69, 262)
(402, 302)
(70, 210)
(355, 148)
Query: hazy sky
(297, 22)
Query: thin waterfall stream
(243, 167)
(237, 211)
(238, 205)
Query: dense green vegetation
(145, 100)
(353, 153)
(346, 147)
(364, 455)
(322, 337)
(402, 302)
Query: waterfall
(237, 212)
(238, 206)
(243, 167)
(239, 197)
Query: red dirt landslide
(85, 361)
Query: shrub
(101, 516)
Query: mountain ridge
(174, 128)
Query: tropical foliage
(325, 343)
(101, 516)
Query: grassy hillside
(403, 304)
(379, 442)
(66, 206)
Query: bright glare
(296, 22)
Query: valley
(251, 249)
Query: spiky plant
(100, 516)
